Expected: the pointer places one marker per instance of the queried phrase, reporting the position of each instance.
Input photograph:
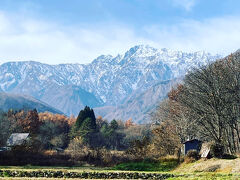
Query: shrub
(139, 149)
(100, 156)
(77, 149)
(217, 150)
(105, 157)
(192, 155)
(37, 159)
(229, 156)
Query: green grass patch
(162, 166)
(5, 174)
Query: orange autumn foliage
(57, 118)
(129, 123)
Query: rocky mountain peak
(103, 58)
(107, 81)
(140, 51)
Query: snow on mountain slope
(110, 80)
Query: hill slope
(70, 99)
(17, 102)
(211, 165)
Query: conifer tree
(87, 130)
(84, 114)
(114, 124)
(85, 125)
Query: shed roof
(17, 139)
(192, 140)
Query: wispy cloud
(30, 39)
(215, 35)
(48, 42)
(186, 4)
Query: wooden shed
(193, 144)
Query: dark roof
(192, 140)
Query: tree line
(205, 106)
(50, 131)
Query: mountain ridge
(19, 102)
(108, 80)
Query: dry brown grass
(216, 165)
(50, 152)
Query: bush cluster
(84, 175)
(99, 157)
(37, 159)
(192, 155)
(217, 150)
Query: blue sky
(77, 31)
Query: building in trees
(17, 139)
(193, 144)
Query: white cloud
(216, 35)
(48, 42)
(186, 4)
(29, 39)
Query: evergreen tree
(85, 125)
(114, 124)
(87, 130)
(84, 114)
(112, 136)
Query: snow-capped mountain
(107, 81)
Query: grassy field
(206, 176)
(229, 166)
(202, 169)
(209, 169)
(54, 168)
